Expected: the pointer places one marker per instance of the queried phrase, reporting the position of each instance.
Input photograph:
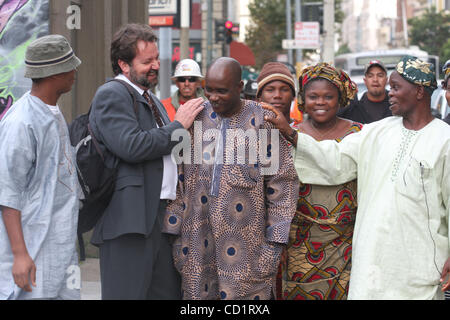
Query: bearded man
(135, 258)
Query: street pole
(328, 26)
(165, 56)
(358, 34)
(185, 18)
(405, 24)
(209, 45)
(289, 28)
(298, 18)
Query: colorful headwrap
(347, 88)
(446, 71)
(419, 72)
(447, 74)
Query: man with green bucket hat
(39, 188)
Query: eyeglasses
(183, 79)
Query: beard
(377, 92)
(188, 94)
(143, 79)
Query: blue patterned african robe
(231, 220)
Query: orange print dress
(317, 260)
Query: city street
(90, 279)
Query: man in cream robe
(401, 237)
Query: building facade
(88, 25)
(382, 24)
(368, 24)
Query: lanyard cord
(429, 218)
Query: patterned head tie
(419, 72)
(347, 88)
(446, 70)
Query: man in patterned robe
(236, 196)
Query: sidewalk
(90, 279)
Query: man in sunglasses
(187, 78)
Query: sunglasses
(183, 79)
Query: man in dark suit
(135, 257)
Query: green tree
(445, 52)
(344, 48)
(268, 27)
(431, 32)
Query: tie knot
(146, 95)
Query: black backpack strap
(96, 145)
(81, 247)
(131, 91)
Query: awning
(242, 53)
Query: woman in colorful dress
(317, 260)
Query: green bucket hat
(419, 72)
(49, 55)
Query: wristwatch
(291, 137)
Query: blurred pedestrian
(400, 241)
(250, 89)
(187, 77)
(317, 261)
(135, 257)
(232, 215)
(374, 104)
(446, 86)
(39, 188)
(276, 86)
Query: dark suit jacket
(140, 146)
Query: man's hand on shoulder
(187, 112)
(280, 122)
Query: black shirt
(366, 111)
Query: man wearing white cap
(187, 78)
(39, 188)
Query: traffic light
(228, 24)
(321, 19)
(224, 31)
(229, 31)
(220, 30)
(313, 11)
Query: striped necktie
(154, 109)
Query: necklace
(321, 135)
